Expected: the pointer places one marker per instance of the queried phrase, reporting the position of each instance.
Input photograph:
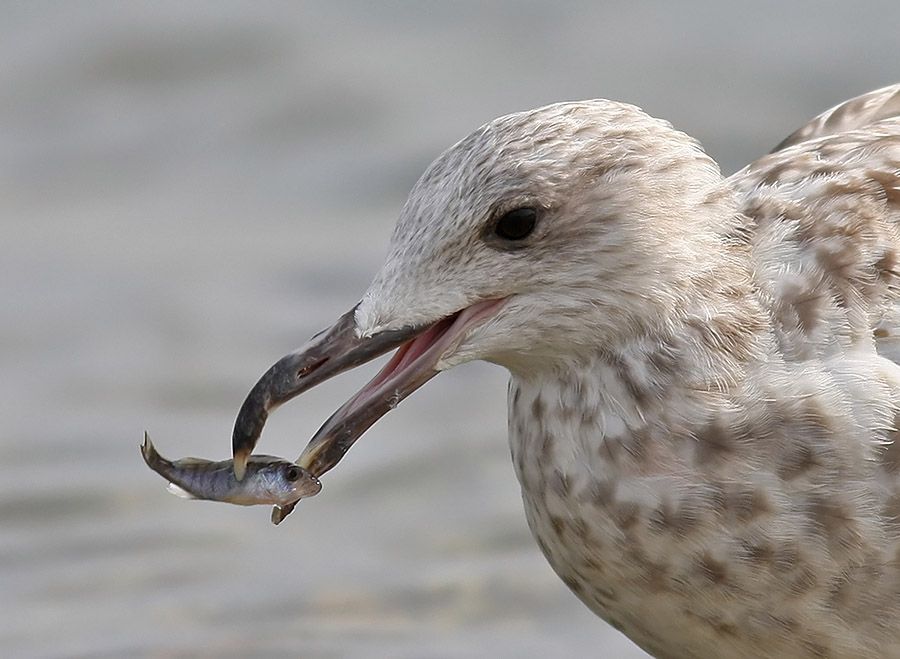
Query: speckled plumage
(705, 398)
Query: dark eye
(516, 224)
(292, 474)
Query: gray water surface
(189, 190)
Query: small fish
(269, 480)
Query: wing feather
(856, 113)
(823, 216)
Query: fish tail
(165, 468)
(153, 459)
(151, 456)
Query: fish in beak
(337, 349)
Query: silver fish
(269, 480)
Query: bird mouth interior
(421, 353)
(412, 365)
(407, 358)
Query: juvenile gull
(704, 401)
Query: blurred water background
(189, 190)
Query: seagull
(704, 393)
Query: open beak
(338, 349)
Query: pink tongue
(418, 346)
(403, 368)
(406, 354)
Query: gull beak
(340, 348)
(326, 354)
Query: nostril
(309, 368)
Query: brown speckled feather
(824, 220)
(729, 486)
(704, 400)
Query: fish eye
(516, 224)
(293, 473)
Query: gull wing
(856, 113)
(822, 221)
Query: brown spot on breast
(803, 581)
(723, 628)
(834, 520)
(829, 513)
(638, 446)
(674, 518)
(594, 590)
(567, 413)
(785, 623)
(761, 554)
(714, 443)
(521, 425)
(579, 528)
(591, 562)
(786, 557)
(797, 459)
(716, 497)
(836, 261)
(537, 409)
(626, 515)
(639, 557)
(840, 592)
(746, 503)
(599, 493)
(718, 624)
(711, 569)
(610, 449)
(516, 395)
(558, 484)
(816, 649)
(656, 577)
(546, 446)
(557, 524)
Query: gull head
(539, 237)
(583, 216)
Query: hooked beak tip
(240, 464)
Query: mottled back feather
(823, 215)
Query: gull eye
(516, 224)
(292, 474)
